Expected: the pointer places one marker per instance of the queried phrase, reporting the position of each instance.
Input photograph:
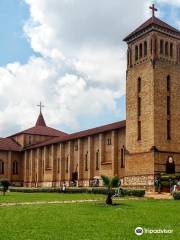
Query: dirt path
(46, 202)
(159, 195)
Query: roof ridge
(152, 20)
(80, 134)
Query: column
(25, 168)
(58, 175)
(38, 166)
(44, 163)
(101, 151)
(9, 168)
(31, 167)
(54, 163)
(90, 158)
(114, 153)
(80, 162)
(71, 158)
(62, 162)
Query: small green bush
(176, 195)
(95, 190)
(131, 192)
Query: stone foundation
(142, 182)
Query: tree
(5, 185)
(110, 183)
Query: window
(1, 167)
(58, 165)
(145, 49)
(168, 83)
(97, 160)
(170, 165)
(109, 141)
(122, 157)
(140, 50)
(168, 109)
(171, 49)
(139, 130)
(76, 147)
(139, 106)
(136, 53)
(166, 49)
(161, 47)
(151, 46)
(67, 164)
(155, 46)
(86, 162)
(139, 85)
(128, 57)
(30, 140)
(15, 168)
(168, 130)
(168, 105)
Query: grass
(86, 221)
(33, 197)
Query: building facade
(137, 149)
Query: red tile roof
(43, 131)
(89, 132)
(40, 128)
(150, 22)
(8, 144)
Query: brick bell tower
(152, 101)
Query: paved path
(156, 195)
(46, 202)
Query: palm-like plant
(110, 183)
(5, 185)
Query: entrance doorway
(170, 166)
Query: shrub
(5, 185)
(131, 192)
(94, 190)
(176, 195)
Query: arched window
(67, 164)
(151, 46)
(139, 130)
(97, 160)
(1, 167)
(139, 85)
(122, 157)
(168, 83)
(15, 168)
(30, 139)
(140, 50)
(170, 165)
(171, 49)
(166, 49)
(155, 46)
(136, 53)
(86, 161)
(145, 49)
(139, 106)
(161, 47)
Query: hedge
(165, 177)
(176, 195)
(94, 190)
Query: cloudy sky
(68, 54)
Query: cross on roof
(153, 9)
(40, 105)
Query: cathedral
(137, 149)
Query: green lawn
(32, 197)
(83, 221)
